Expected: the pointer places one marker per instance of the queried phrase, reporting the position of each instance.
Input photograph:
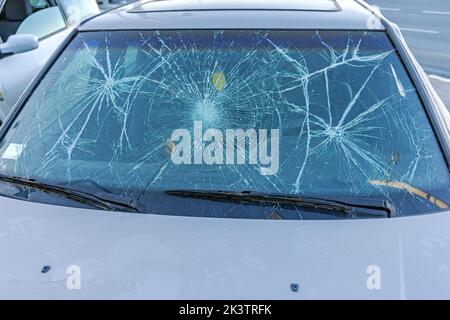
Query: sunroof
(200, 5)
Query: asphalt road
(426, 28)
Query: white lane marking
(390, 9)
(436, 12)
(439, 78)
(420, 30)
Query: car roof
(237, 14)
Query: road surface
(426, 28)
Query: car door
(51, 21)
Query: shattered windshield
(319, 114)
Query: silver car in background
(50, 22)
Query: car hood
(132, 256)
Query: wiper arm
(357, 205)
(94, 200)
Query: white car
(225, 149)
(50, 22)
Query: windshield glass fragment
(321, 114)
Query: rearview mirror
(19, 43)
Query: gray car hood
(130, 256)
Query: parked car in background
(49, 21)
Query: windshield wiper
(95, 200)
(343, 207)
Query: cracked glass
(349, 118)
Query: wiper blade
(94, 200)
(343, 207)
